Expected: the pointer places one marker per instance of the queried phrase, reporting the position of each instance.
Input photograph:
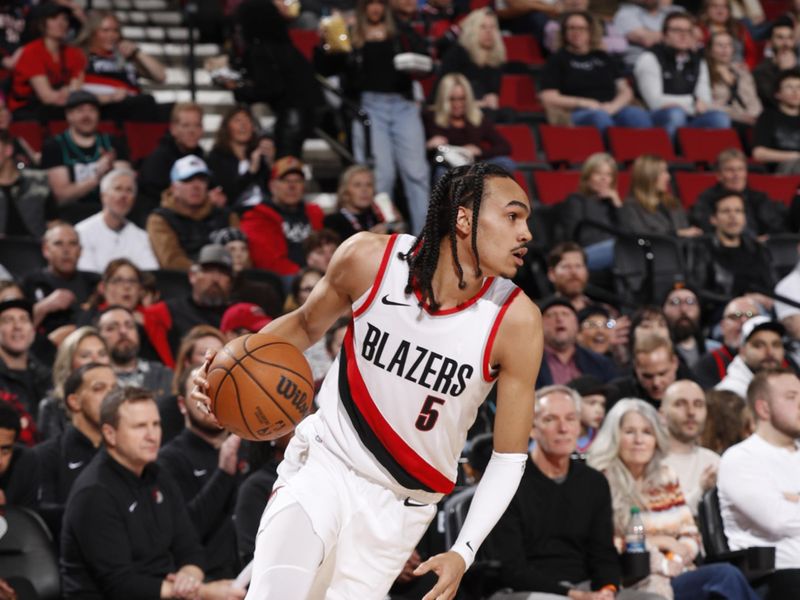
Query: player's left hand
(450, 567)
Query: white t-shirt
(689, 468)
(753, 475)
(788, 287)
(101, 245)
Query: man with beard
(759, 480)
(564, 359)
(682, 309)
(77, 158)
(566, 270)
(712, 367)
(211, 277)
(655, 368)
(761, 348)
(203, 460)
(683, 409)
(118, 328)
(62, 458)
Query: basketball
(260, 387)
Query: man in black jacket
(557, 534)
(19, 475)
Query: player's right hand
(450, 567)
(199, 393)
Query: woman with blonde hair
(457, 121)
(629, 450)
(583, 82)
(650, 206)
(479, 55)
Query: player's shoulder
(523, 312)
(357, 261)
(520, 330)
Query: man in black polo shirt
(126, 530)
(203, 460)
(62, 458)
(776, 138)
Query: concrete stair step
(171, 50)
(156, 34)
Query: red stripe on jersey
(406, 457)
(449, 311)
(387, 254)
(487, 352)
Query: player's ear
(464, 221)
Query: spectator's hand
(221, 590)
(474, 150)
(127, 48)
(199, 393)
(708, 479)
(60, 96)
(59, 334)
(185, 583)
(436, 141)
(217, 197)
(608, 107)
(407, 574)
(229, 454)
(60, 299)
(690, 232)
(6, 591)
(9, 62)
(700, 107)
(450, 568)
(622, 331)
(588, 103)
(490, 101)
(764, 301)
(106, 162)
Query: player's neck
(445, 279)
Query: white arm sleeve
(495, 491)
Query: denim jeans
(721, 580)
(398, 145)
(629, 116)
(673, 118)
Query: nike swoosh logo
(74, 465)
(470, 547)
(200, 472)
(132, 507)
(410, 502)
(385, 300)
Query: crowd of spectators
(642, 402)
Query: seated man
(126, 530)
(681, 308)
(684, 412)
(655, 368)
(763, 215)
(108, 234)
(558, 530)
(187, 216)
(277, 229)
(759, 480)
(77, 158)
(641, 23)
(60, 288)
(19, 473)
(673, 79)
(781, 55)
(564, 359)
(761, 348)
(23, 195)
(776, 138)
(203, 460)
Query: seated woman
(596, 201)
(479, 55)
(113, 70)
(629, 450)
(241, 158)
(456, 120)
(650, 207)
(733, 88)
(358, 210)
(715, 18)
(583, 85)
(48, 69)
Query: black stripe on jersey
(368, 437)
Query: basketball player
(435, 323)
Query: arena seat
(646, 267)
(522, 49)
(569, 145)
(552, 187)
(704, 145)
(623, 183)
(30, 131)
(627, 144)
(519, 93)
(523, 144)
(142, 138)
(783, 252)
(21, 255)
(27, 553)
(172, 284)
(305, 40)
(691, 185)
(522, 180)
(777, 187)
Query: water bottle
(634, 533)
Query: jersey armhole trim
(376, 285)
(487, 352)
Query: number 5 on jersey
(428, 415)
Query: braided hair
(462, 186)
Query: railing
(357, 113)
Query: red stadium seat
(427, 84)
(304, 40)
(569, 145)
(476, 4)
(691, 185)
(56, 127)
(523, 49)
(142, 138)
(30, 131)
(519, 93)
(523, 145)
(627, 144)
(522, 180)
(553, 187)
(777, 187)
(623, 183)
(704, 145)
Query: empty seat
(30, 131)
(627, 144)
(553, 187)
(704, 145)
(21, 256)
(623, 183)
(523, 145)
(522, 49)
(783, 252)
(519, 93)
(777, 187)
(569, 145)
(691, 185)
(142, 138)
(522, 180)
(27, 552)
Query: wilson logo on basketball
(289, 390)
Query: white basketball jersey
(406, 387)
